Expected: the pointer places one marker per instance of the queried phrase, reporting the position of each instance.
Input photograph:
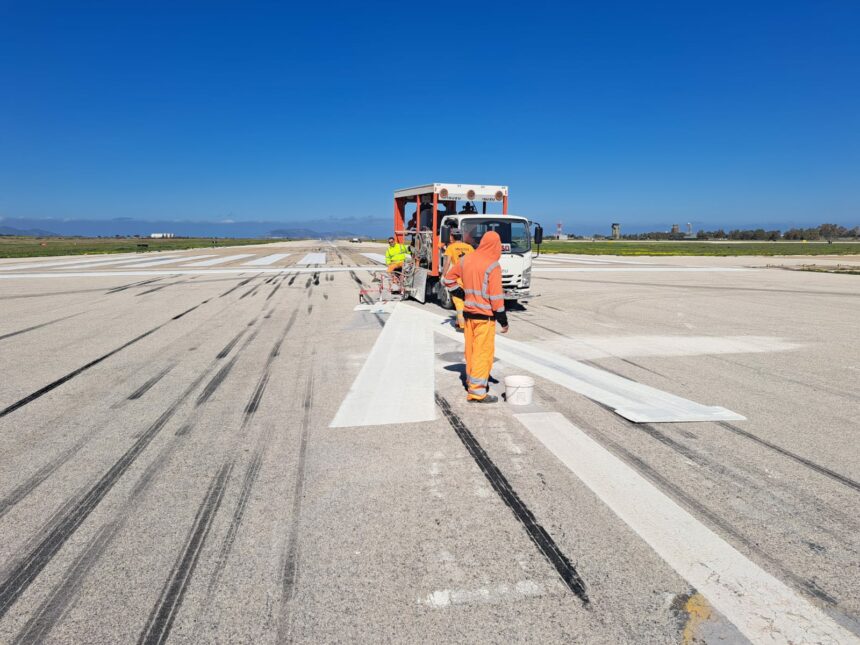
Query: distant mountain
(314, 228)
(33, 232)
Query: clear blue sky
(639, 112)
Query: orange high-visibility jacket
(481, 276)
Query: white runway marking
(153, 272)
(123, 261)
(224, 259)
(406, 393)
(760, 606)
(312, 258)
(376, 257)
(591, 347)
(584, 259)
(82, 261)
(268, 259)
(155, 263)
(634, 401)
(641, 269)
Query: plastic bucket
(519, 389)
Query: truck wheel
(443, 297)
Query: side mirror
(445, 234)
(538, 235)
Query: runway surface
(227, 445)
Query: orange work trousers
(480, 337)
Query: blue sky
(645, 113)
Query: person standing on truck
(484, 305)
(395, 255)
(455, 251)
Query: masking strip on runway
(267, 259)
(376, 257)
(762, 607)
(396, 384)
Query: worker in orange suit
(483, 307)
(453, 252)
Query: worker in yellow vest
(454, 252)
(395, 255)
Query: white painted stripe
(584, 259)
(265, 260)
(155, 263)
(312, 258)
(634, 401)
(404, 348)
(546, 269)
(591, 347)
(124, 262)
(763, 608)
(376, 257)
(81, 260)
(152, 272)
(224, 259)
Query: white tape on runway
(312, 258)
(634, 401)
(79, 261)
(265, 260)
(584, 260)
(154, 272)
(224, 259)
(763, 608)
(156, 263)
(376, 257)
(591, 347)
(385, 391)
(642, 269)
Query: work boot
(490, 398)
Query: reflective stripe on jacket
(481, 276)
(396, 253)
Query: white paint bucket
(519, 389)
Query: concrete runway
(169, 469)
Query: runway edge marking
(759, 605)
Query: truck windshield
(514, 233)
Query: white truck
(424, 217)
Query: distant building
(158, 236)
(676, 229)
(616, 231)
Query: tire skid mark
(39, 326)
(133, 284)
(221, 374)
(275, 290)
(290, 570)
(188, 311)
(160, 287)
(164, 613)
(35, 480)
(538, 535)
(64, 595)
(77, 509)
(316, 277)
(236, 286)
(143, 389)
(230, 345)
(68, 377)
(822, 470)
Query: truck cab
(424, 217)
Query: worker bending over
(484, 304)
(395, 255)
(453, 253)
